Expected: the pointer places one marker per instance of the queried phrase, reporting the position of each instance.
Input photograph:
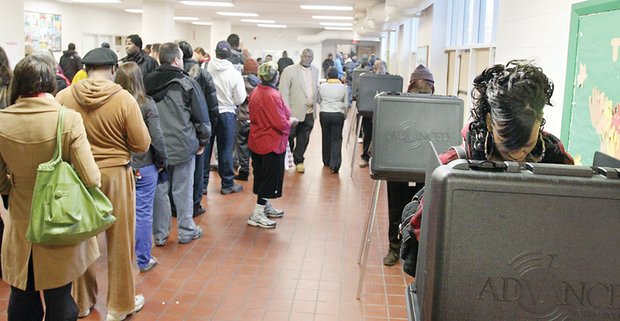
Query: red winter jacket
(269, 121)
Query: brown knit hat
(422, 72)
(250, 67)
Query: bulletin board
(591, 114)
(43, 30)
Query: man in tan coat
(115, 128)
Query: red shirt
(269, 121)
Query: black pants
(399, 195)
(299, 137)
(243, 153)
(367, 130)
(27, 305)
(331, 129)
(199, 178)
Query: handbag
(64, 211)
(288, 158)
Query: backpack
(408, 241)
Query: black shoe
(198, 210)
(241, 176)
(236, 188)
(333, 170)
(391, 258)
(174, 214)
(213, 168)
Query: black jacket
(283, 63)
(146, 63)
(157, 152)
(204, 79)
(182, 111)
(71, 63)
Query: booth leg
(351, 123)
(366, 247)
(359, 130)
(375, 191)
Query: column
(437, 57)
(220, 30)
(12, 31)
(157, 21)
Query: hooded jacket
(71, 63)
(204, 79)
(228, 84)
(112, 119)
(147, 63)
(182, 111)
(236, 59)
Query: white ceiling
(287, 12)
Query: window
(472, 22)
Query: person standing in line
(115, 129)
(299, 86)
(334, 106)
(270, 123)
(251, 80)
(328, 62)
(147, 165)
(27, 139)
(284, 62)
(6, 75)
(236, 55)
(133, 46)
(70, 62)
(184, 120)
(155, 51)
(230, 93)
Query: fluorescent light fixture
(337, 24)
(207, 4)
(339, 28)
(332, 18)
(93, 1)
(258, 21)
(202, 23)
(186, 18)
(332, 8)
(237, 14)
(270, 25)
(134, 10)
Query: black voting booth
(503, 241)
(404, 124)
(356, 81)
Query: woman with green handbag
(27, 139)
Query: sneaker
(272, 212)
(161, 242)
(152, 262)
(187, 239)
(261, 220)
(360, 140)
(198, 210)
(138, 305)
(300, 168)
(241, 176)
(363, 163)
(391, 258)
(236, 188)
(84, 314)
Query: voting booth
(370, 85)
(504, 241)
(356, 81)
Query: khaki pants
(118, 184)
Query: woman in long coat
(28, 138)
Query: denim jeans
(180, 183)
(331, 129)
(224, 133)
(299, 138)
(145, 196)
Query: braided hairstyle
(514, 96)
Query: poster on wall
(592, 118)
(43, 30)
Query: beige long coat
(28, 138)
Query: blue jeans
(224, 132)
(145, 196)
(180, 184)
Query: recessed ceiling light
(202, 23)
(237, 14)
(332, 18)
(207, 4)
(258, 21)
(332, 8)
(134, 10)
(336, 24)
(186, 18)
(271, 26)
(339, 28)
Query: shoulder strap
(59, 129)
(460, 151)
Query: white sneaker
(138, 305)
(261, 220)
(272, 212)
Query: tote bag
(64, 211)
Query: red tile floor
(305, 269)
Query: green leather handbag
(64, 211)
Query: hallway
(305, 269)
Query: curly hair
(514, 96)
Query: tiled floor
(305, 269)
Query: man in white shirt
(299, 86)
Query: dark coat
(204, 79)
(157, 151)
(146, 63)
(71, 63)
